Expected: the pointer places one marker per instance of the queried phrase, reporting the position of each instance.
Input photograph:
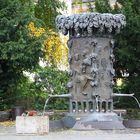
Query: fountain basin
(131, 123)
(102, 121)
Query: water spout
(127, 95)
(136, 100)
(55, 96)
(46, 103)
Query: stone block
(4, 116)
(32, 125)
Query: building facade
(81, 6)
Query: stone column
(91, 60)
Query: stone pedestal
(32, 125)
(91, 68)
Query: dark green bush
(48, 80)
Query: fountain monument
(91, 68)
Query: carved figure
(70, 84)
(104, 63)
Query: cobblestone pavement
(9, 133)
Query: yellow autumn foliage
(55, 47)
(7, 123)
(35, 31)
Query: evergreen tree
(127, 50)
(19, 48)
(47, 10)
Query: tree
(20, 50)
(127, 48)
(54, 46)
(47, 10)
(50, 80)
(56, 51)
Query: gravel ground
(9, 133)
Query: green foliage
(133, 114)
(19, 50)
(127, 48)
(47, 10)
(103, 6)
(51, 80)
(33, 94)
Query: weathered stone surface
(93, 70)
(88, 24)
(91, 58)
(4, 116)
(91, 66)
(32, 125)
(132, 123)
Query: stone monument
(91, 68)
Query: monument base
(102, 121)
(32, 125)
